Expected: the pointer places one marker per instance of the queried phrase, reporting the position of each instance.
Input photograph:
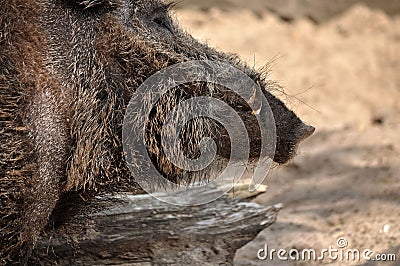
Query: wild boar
(67, 72)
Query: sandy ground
(343, 77)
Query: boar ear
(96, 3)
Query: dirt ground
(343, 77)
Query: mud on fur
(67, 72)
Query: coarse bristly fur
(67, 72)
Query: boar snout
(288, 140)
(290, 130)
(305, 131)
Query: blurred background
(339, 62)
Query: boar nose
(305, 131)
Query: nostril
(305, 131)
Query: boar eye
(164, 23)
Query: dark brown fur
(67, 72)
